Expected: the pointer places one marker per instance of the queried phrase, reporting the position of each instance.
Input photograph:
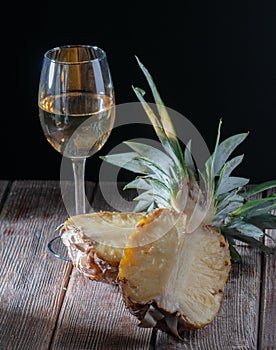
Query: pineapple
(173, 259)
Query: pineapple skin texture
(147, 284)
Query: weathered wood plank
(267, 340)
(236, 325)
(32, 281)
(93, 315)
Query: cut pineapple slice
(95, 242)
(177, 281)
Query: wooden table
(48, 304)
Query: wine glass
(76, 104)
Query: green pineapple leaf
(209, 174)
(235, 256)
(166, 140)
(230, 183)
(128, 161)
(149, 196)
(217, 165)
(189, 160)
(152, 153)
(259, 188)
(247, 230)
(263, 221)
(255, 207)
(225, 149)
(138, 183)
(152, 186)
(246, 238)
(164, 115)
(231, 165)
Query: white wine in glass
(76, 104)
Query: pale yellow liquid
(79, 127)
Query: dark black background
(209, 59)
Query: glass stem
(79, 171)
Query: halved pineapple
(173, 263)
(95, 242)
(171, 279)
(176, 263)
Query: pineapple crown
(165, 176)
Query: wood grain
(267, 340)
(93, 316)
(32, 281)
